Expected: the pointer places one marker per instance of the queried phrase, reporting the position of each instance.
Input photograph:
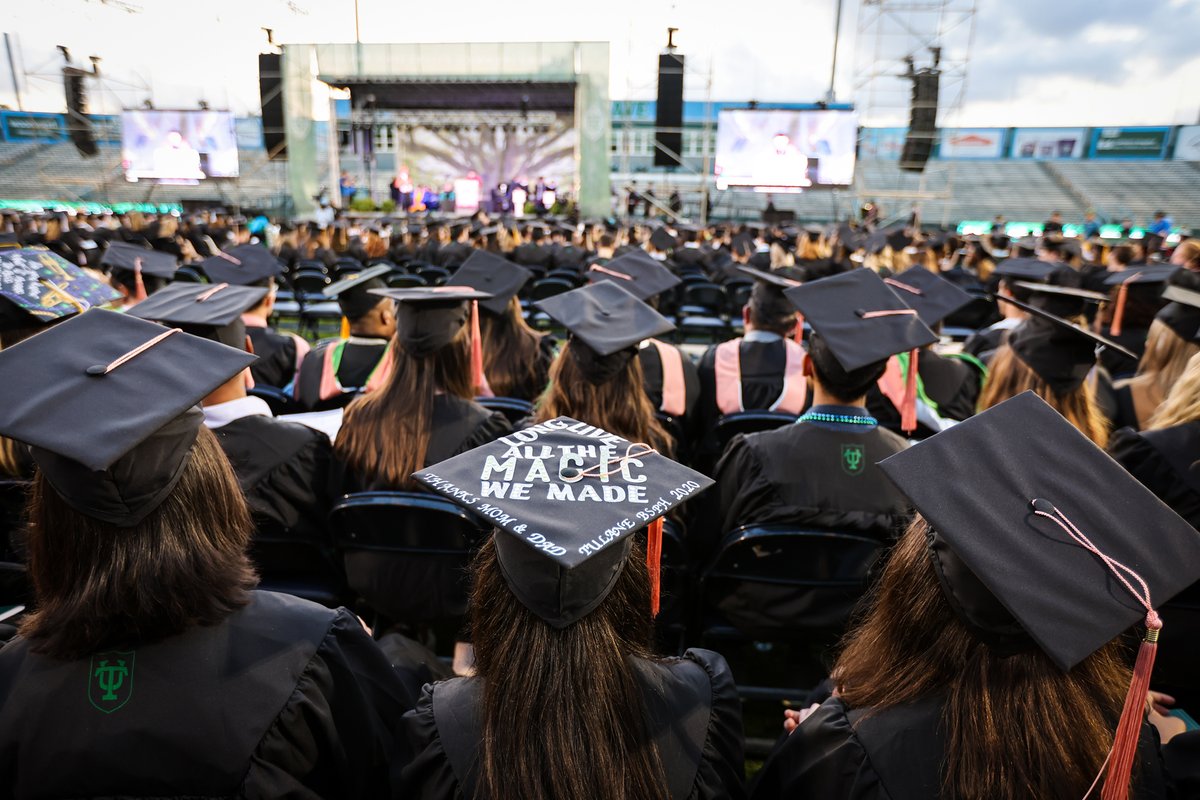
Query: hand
(792, 718)
(1168, 726)
(1159, 702)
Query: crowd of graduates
(1010, 428)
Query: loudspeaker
(922, 125)
(668, 112)
(79, 125)
(270, 96)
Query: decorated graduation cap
(1059, 351)
(213, 311)
(1063, 552)
(863, 322)
(933, 297)
(242, 265)
(354, 291)
(1146, 283)
(636, 272)
(132, 258)
(609, 322)
(39, 288)
(565, 499)
(1182, 312)
(123, 393)
(498, 277)
(429, 317)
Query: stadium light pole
(837, 34)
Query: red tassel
(908, 409)
(1119, 312)
(1124, 748)
(798, 335)
(478, 379)
(654, 562)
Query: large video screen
(178, 145)
(785, 150)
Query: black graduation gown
(283, 469)
(652, 382)
(1118, 364)
(284, 698)
(458, 425)
(276, 364)
(358, 360)
(952, 383)
(894, 754)
(692, 709)
(453, 254)
(1165, 461)
(531, 255)
(689, 256)
(983, 344)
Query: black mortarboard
(933, 297)
(608, 321)
(213, 311)
(1060, 352)
(119, 255)
(429, 317)
(354, 291)
(38, 287)
(662, 239)
(863, 322)
(1141, 284)
(118, 465)
(898, 236)
(860, 318)
(242, 265)
(1027, 269)
(851, 238)
(1142, 275)
(565, 498)
(498, 277)
(1182, 313)
(876, 242)
(605, 317)
(999, 562)
(1061, 301)
(773, 279)
(742, 245)
(636, 272)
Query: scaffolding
(893, 37)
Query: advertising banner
(19, 127)
(1048, 143)
(972, 143)
(1129, 142)
(1187, 145)
(881, 144)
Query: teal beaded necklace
(841, 419)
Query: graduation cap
(876, 242)
(1059, 351)
(772, 279)
(851, 238)
(242, 266)
(898, 236)
(608, 321)
(933, 297)
(565, 499)
(354, 292)
(743, 245)
(1182, 313)
(1062, 301)
(38, 287)
(130, 257)
(1028, 269)
(1042, 536)
(429, 317)
(119, 465)
(864, 322)
(1147, 284)
(636, 272)
(498, 277)
(213, 311)
(661, 239)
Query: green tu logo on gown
(853, 459)
(110, 680)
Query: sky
(1032, 62)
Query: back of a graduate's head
(99, 586)
(543, 685)
(1046, 732)
(768, 310)
(510, 348)
(605, 391)
(846, 386)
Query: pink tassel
(1129, 729)
(478, 379)
(654, 562)
(908, 409)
